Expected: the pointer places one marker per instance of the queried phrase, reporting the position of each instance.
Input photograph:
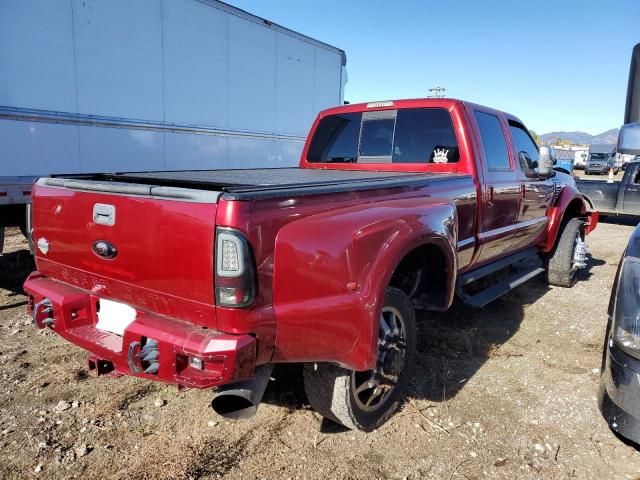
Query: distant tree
(535, 136)
(561, 142)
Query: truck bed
(249, 184)
(603, 194)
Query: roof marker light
(379, 104)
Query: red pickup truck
(208, 278)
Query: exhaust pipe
(239, 401)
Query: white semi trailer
(116, 85)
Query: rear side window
(493, 142)
(416, 135)
(526, 147)
(336, 139)
(425, 135)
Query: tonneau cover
(245, 184)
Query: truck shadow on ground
(631, 221)
(585, 274)
(452, 347)
(15, 267)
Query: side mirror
(545, 162)
(527, 165)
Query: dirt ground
(505, 392)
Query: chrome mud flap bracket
(580, 254)
(43, 313)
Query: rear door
(536, 193)
(501, 188)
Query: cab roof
(446, 103)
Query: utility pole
(436, 92)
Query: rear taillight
(235, 284)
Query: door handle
(523, 190)
(491, 196)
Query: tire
(332, 390)
(561, 270)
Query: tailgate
(150, 247)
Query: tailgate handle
(104, 214)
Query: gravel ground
(508, 391)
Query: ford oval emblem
(104, 249)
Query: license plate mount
(114, 317)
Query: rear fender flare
(331, 271)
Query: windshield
(597, 156)
(413, 135)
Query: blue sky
(558, 65)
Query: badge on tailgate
(104, 214)
(104, 249)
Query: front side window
(413, 135)
(527, 151)
(493, 142)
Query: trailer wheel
(365, 400)
(569, 255)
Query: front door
(501, 189)
(537, 193)
(631, 199)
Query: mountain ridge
(610, 137)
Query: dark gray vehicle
(619, 392)
(617, 198)
(601, 159)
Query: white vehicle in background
(580, 159)
(623, 159)
(160, 85)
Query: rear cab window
(409, 136)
